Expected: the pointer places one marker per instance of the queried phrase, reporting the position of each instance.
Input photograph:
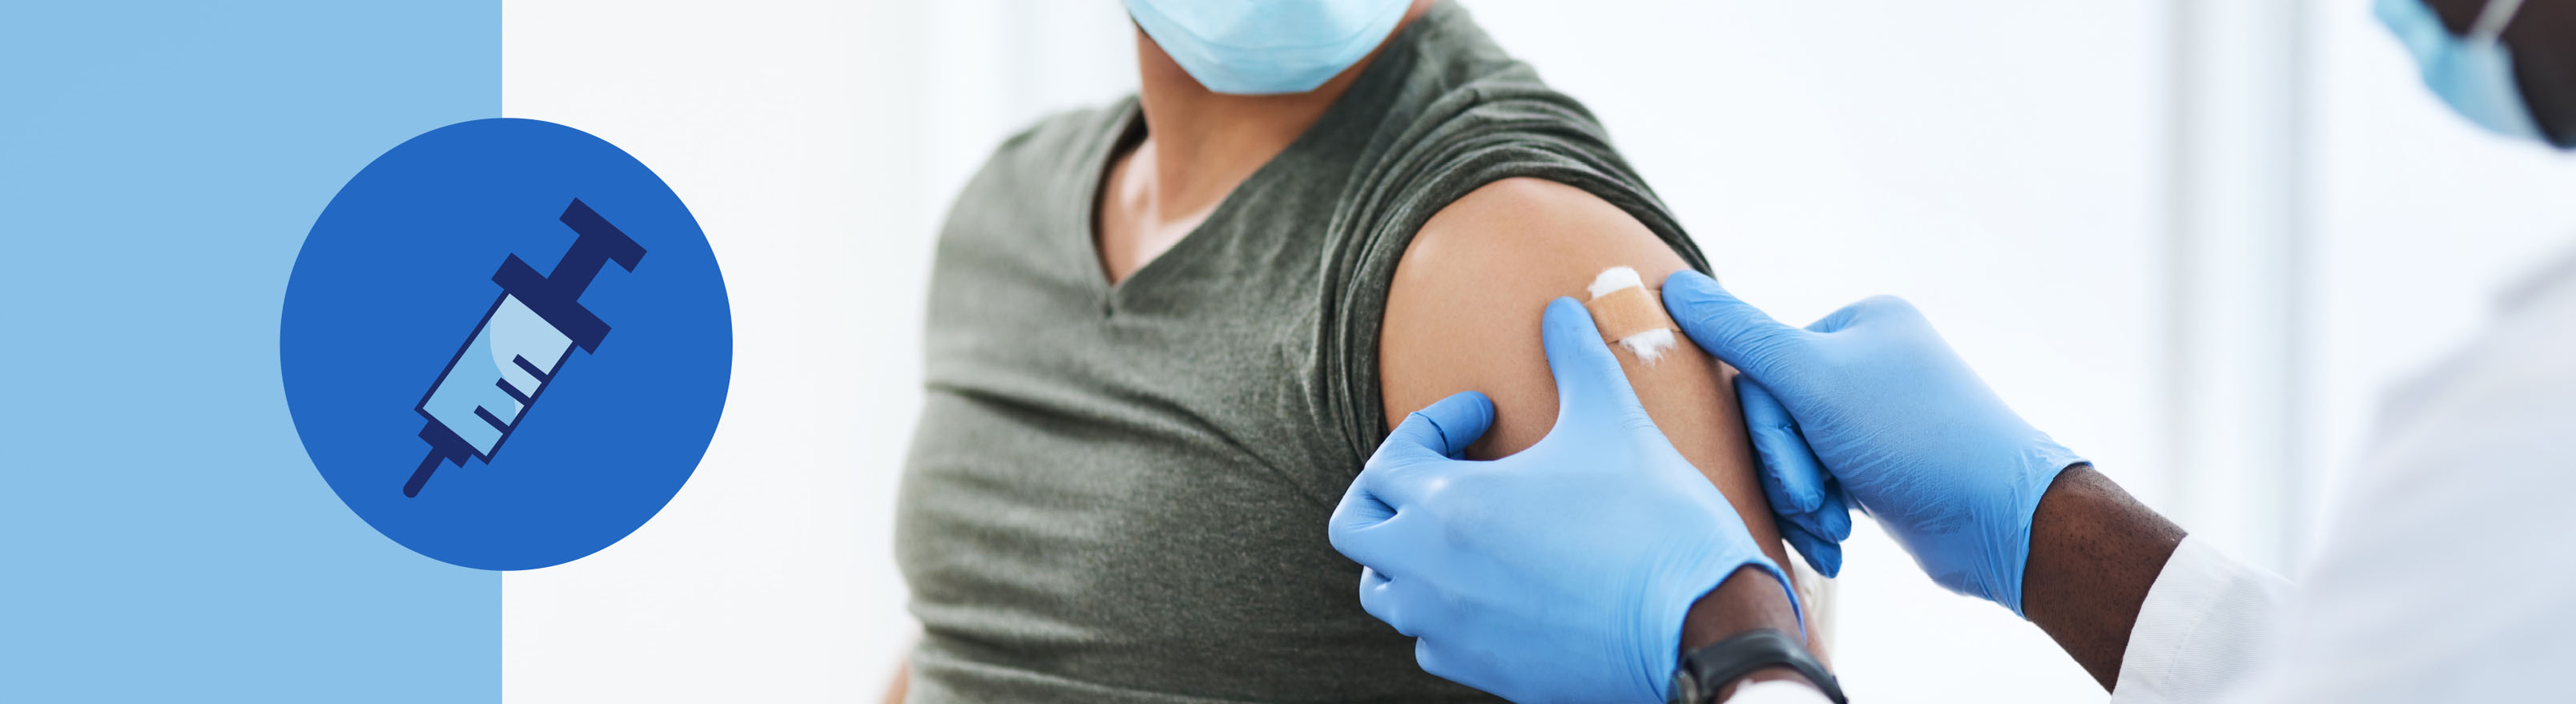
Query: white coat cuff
(1778, 692)
(2205, 625)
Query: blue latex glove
(1561, 573)
(1813, 513)
(1870, 403)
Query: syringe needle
(428, 466)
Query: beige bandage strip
(1629, 315)
(1626, 312)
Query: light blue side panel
(162, 535)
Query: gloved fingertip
(1590, 384)
(1348, 530)
(1459, 420)
(1443, 429)
(1567, 321)
(1884, 304)
(1833, 519)
(1791, 475)
(1689, 284)
(1826, 556)
(1725, 326)
(1794, 479)
(1483, 404)
(1378, 597)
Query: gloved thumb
(1442, 430)
(1729, 328)
(1427, 440)
(1874, 310)
(1590, 386)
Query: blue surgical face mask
(2473, 73)
(1261, 47)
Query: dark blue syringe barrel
(555, 299)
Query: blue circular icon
(506, 344)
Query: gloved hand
(1811, 509)
(1870, 402)
(1561, 573)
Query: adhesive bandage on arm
(1630, 315)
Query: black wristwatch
(1706, 670)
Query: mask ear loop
(2488, 30)
(2491, 21)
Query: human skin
(2543, 39)
(1200, 145)
(1463, 314)
(2095, 551)
(1463, 311)
(2094, 554)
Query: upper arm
(1463, 314)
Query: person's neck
(1199, 144)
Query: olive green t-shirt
(1119, 493)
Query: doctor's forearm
(2094, 552)
(1748, 599)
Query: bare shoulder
(1464, 309)
(1534, 226)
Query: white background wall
(2016, 167)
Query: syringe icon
(519, 347)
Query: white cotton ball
(1650, 345)
(1615, 278)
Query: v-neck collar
(1150, 274)
(1129, 129)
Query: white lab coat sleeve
(1778, 692)
(2208, 623)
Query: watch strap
(1710, 668)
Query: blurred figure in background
(2438, 579)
